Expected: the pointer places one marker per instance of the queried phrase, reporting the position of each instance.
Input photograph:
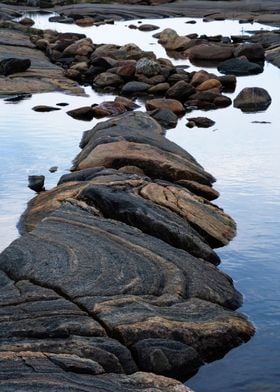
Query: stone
(36, 183)
(239, 67)
(165, 117)
(135, 87)
(201, 122)
(18, 98)
(127, 103)
(53, 169)
(147, 27)
(44, 108)
(252, 99)
(108, 108)
(209, 84)
(199, 77)
(253, 52)
(208, 100)
(170, 40)
(85, 113)
(159, 89)
(106, 79)
(210, 52)
(180, 91)
(13, 65)
(27, 22)
(147, 67)
(205, 191)
(160, 103)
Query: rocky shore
(113, 284)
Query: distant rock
(210, 52)
(36, 183)
(159, 103)
(147, 27)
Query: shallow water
(243, 156)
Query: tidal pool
(243, 156)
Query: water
(243, 156)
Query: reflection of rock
(252, 99)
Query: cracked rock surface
(114, 284)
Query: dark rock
(165, 117)
(62, 104)
(147, 67)
(26, 22)
(239, 67)
(85, 113)
(252, 99)
(210, 52)
(108, 79)
(170, 40)
(44, 108)
(53, 169)
(127, 103)
(108, 108)
(202, 122)
(253, 52)
(147, 27)
(18, 98)
(180, 90)
(14, 65)
(163, 103)
(131, 88)
(36, 183)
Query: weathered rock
(44, 108)
(253, 52)
(208, 100)
(209, 84)
(108, 79)
(162, 103)
(210, 52)
(159, 89)
(239, 67)
(147, 67)
(201, 122)
(85, 113)
(165, 117)
(14, 65)
(252, 99)
(199, 77)
(170, 40)
(180, 90)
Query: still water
(243, 156)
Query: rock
(210, 52)
(208, 100)
(108, 79)
(228, 82)
(18, 98)
(165, 117)
(125, 71)
(53, 169)
(147, 67)
(159, 89)
(209, 84)
(201, 122)
(252, 99)
(26, 22)
(162, 103)
(170, 40)
(36, 183)
(62, 104)
(198, 189)
(44, 108)
(134, 87)
(13, 65)
(180, 91)
(199, 77)
(85, 113)
(253, 52)
(108, 108)
(85, 22)
(147, 27)
(239, 67)
(127, 103)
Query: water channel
(242, 155)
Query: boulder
(253, 52)
(209, 84)
(252, 99)
(147, 67)
(170, 40)
(13, 65)
(147, 27)
(210, 52)
(180, 91)
(85, 113)
(239, 67)
(165, 117)
(26, 22)
(108, 108)
(201, 122)
(159, 89)
(106, 79)
(159, 103)
(36, 183)
(135, 87)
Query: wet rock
(170, 40)
(147, 27)
(159, 89)
(165, 117)
(13, 65)
(85, 113)
(199, 77)
(162, 103)
(127, 103)
(207, 100)
(201, 122)
(36, 183)
(228, 82)
(210, 52)
(209, 84)
(135, 87)
(108, 108)
(239, 67)
(44, 108)
(180, 91)
(147, 67)
(126, 70)
(252, 99)
(253, 52)
(108, 79)
(53, 169)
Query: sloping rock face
(117, 276)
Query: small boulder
(159, 103)
(201, 122)
(239, 67)
(147, 27)
(36, 183)
(14, 65)
(147, 67)
(210, 84)
(85, 113)
(165, 117)
(108, 79)
(170, 40)
(210, 52)
(180, 90)
(253, 52)
(27, 22)
(135, 87)
(252, 99)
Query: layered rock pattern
(116, 276)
